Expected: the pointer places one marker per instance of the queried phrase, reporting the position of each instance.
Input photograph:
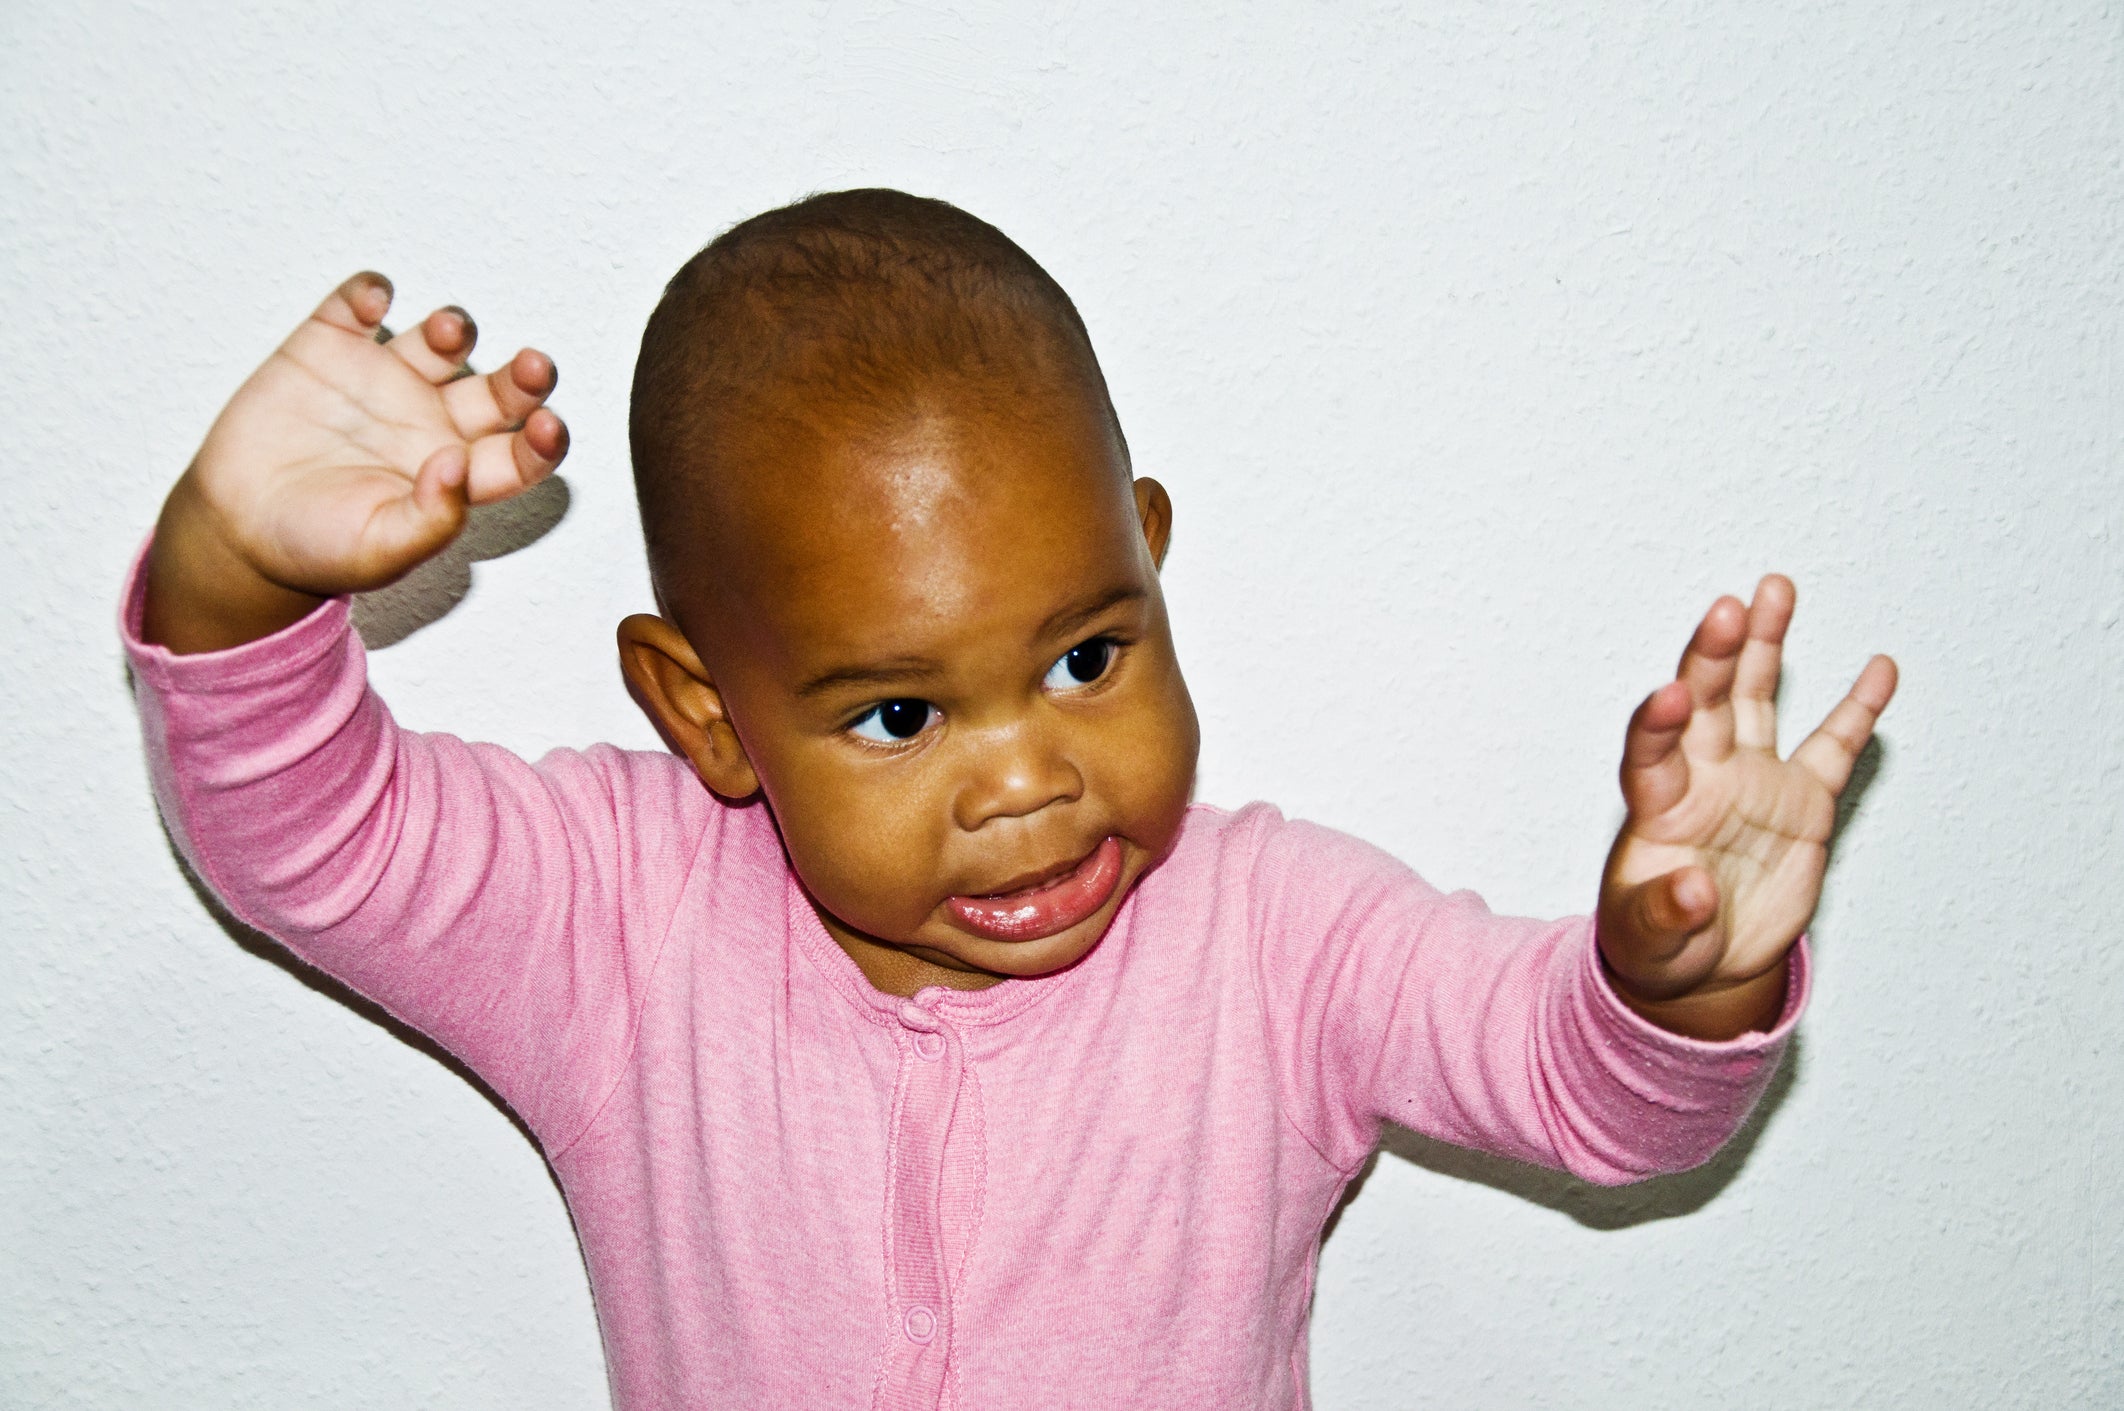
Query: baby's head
(908, 587)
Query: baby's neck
(896, 970)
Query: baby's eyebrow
(877, 673)
(896, 671)
(1070, 618)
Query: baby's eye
(889, 722)
(1081, 665)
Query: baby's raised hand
(339, 466)
(1719, 864)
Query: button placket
(918, 1352)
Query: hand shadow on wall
(429, 592)
(1619, 1207)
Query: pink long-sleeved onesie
(1099, 1188)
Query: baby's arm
(1719, 865)
(339, 466)
(512, 911)
(1387, 1000)
(1616, 1046)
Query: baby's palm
(1706, 790)
(344, 461)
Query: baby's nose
(1018, 772)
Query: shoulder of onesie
(660, 808)
(1259, 835)
(1293, 871)
(1213, 838)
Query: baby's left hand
(1719, 864)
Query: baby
(938, 1052)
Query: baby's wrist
(1714, 1011)
(203, 594)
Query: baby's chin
(984, 961)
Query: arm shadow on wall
(1595, 1207)
(1619, 1207)
(265, 948)
(428, 593)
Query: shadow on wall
(265, 948)
(1595, 1207)
(428, 593)
(1864, 770)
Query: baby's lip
(1057, 900)
(1035, 879)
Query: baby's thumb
(412, 529)
(1652, 934)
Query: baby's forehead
(862, 531)
(951, 471)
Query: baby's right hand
(341, 465)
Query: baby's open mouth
(1045, 908)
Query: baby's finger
(504, 397)
(1831, 751)
(438, 345)
(507, 463)
(358, 305)
(1655, 773)
(1707, 669)
(1761, 657)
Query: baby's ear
(671, 686)
(1155, 508)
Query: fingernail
(367, 280)
(551, 379)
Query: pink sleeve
(510, 911)
(1389, 1001)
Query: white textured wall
(1480, 347)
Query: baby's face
(947, 659)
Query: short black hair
(861, 297)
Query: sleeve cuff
(236, 668)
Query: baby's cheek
(910, 848)
(866, 851)
(1150, 771)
